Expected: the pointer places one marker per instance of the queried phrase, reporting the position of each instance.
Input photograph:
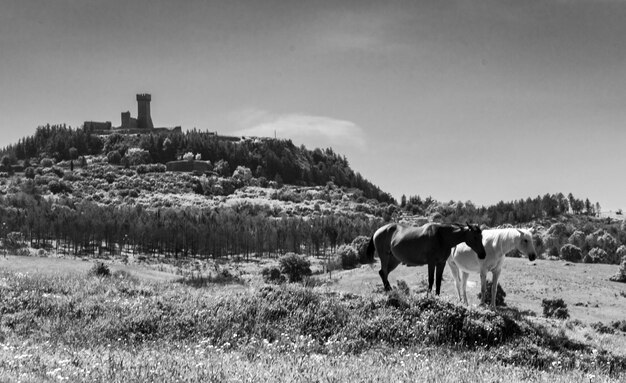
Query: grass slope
(67, 325)
(585, 288)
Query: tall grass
(118, 328)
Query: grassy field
(585, 288)
(57, 323)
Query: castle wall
(96, 125)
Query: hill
(69, 191)
(269, 159)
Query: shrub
(403, 287)
(29, 172)
(360, 244)
(555, 308)
(188, 156)
(602, 328)
(621, 275)
(110, 177)
(571, 253)
(100, 269)
(57, 187)
(47, 163)
(500, 294)
(137, 156)
(347, 256)
(553, 251)
(114, 157)
(272, 275)
(295, 267)
(577, 238)
(151, 168)
(619, 325)
(14, 240)
(595, 255)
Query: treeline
(88, 228)
(513, 212)
(274, 160)
(55, 141)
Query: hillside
(268, 159)
(71, 192)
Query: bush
(151, 168)
(14, 241)
(272, 275)
(46, 163)
(295, 267)
(110, 177)
(595, 255)
(619, 325)
(114, 157)
(137, 156)
(57, 187)
(360, 244)
(571, 253)
(621, 275)
(500, 294)
(29, 172)
(602, 328)
(555, 308)
(100, 269)
(347, 256)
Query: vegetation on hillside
(271, 159)
(80, 193)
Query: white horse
(497, 242)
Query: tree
(73, 153)
(6, 163)
(588, 207)
(295, 267)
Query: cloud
(312, 131)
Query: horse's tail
(370, 251)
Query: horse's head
(524, 243)
(474, 239)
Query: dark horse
(425, 245)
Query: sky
(480, 100)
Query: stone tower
(144, 120)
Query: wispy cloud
(312, 131)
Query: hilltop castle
(141, 124)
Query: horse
(497, 243)
(417, 246)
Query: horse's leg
(483, 286)
(495, 274)
(431, 277)
(387, 267)
(392, 263)
(384, 254)
(440, 266)
(454, 270)
(464, 277)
